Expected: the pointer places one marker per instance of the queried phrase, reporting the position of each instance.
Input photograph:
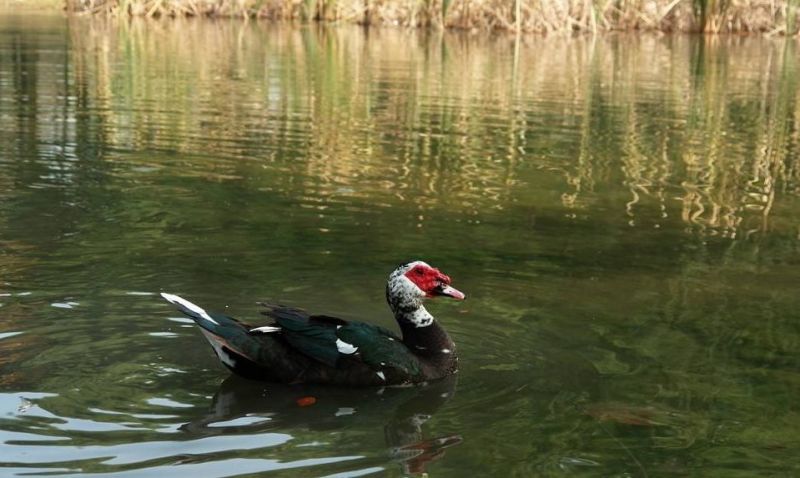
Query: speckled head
(412, 282)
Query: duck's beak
(443, 287)
(450, 292)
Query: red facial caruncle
(432, 281)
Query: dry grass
(31, 5)
(541, 16)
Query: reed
(540, 16)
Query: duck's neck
(422, 333)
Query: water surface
(621, 211)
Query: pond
(622, 211)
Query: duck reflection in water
(401, 411)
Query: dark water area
(623, 213)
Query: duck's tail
(227, 336)
(200, 316)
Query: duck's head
(412, 282)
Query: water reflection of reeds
(692, 130)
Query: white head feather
(405, 297)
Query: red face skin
(432, 281)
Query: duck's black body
(300, 348)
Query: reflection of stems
(723, 145)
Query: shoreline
(750, 17)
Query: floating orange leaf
(306, 401)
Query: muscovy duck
(300, 348)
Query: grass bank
(540, 16)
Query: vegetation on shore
(540, 16)
(31, 6)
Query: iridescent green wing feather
(313, 336)
(379, 348)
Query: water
(622, 213)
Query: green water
(622, 212)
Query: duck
(296, 347)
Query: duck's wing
(335, 342)
(313, 336)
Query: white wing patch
(174, 299)
(345, 348)
(381, 375)
(265, 329)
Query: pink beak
(451, 292)
(444, 287)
